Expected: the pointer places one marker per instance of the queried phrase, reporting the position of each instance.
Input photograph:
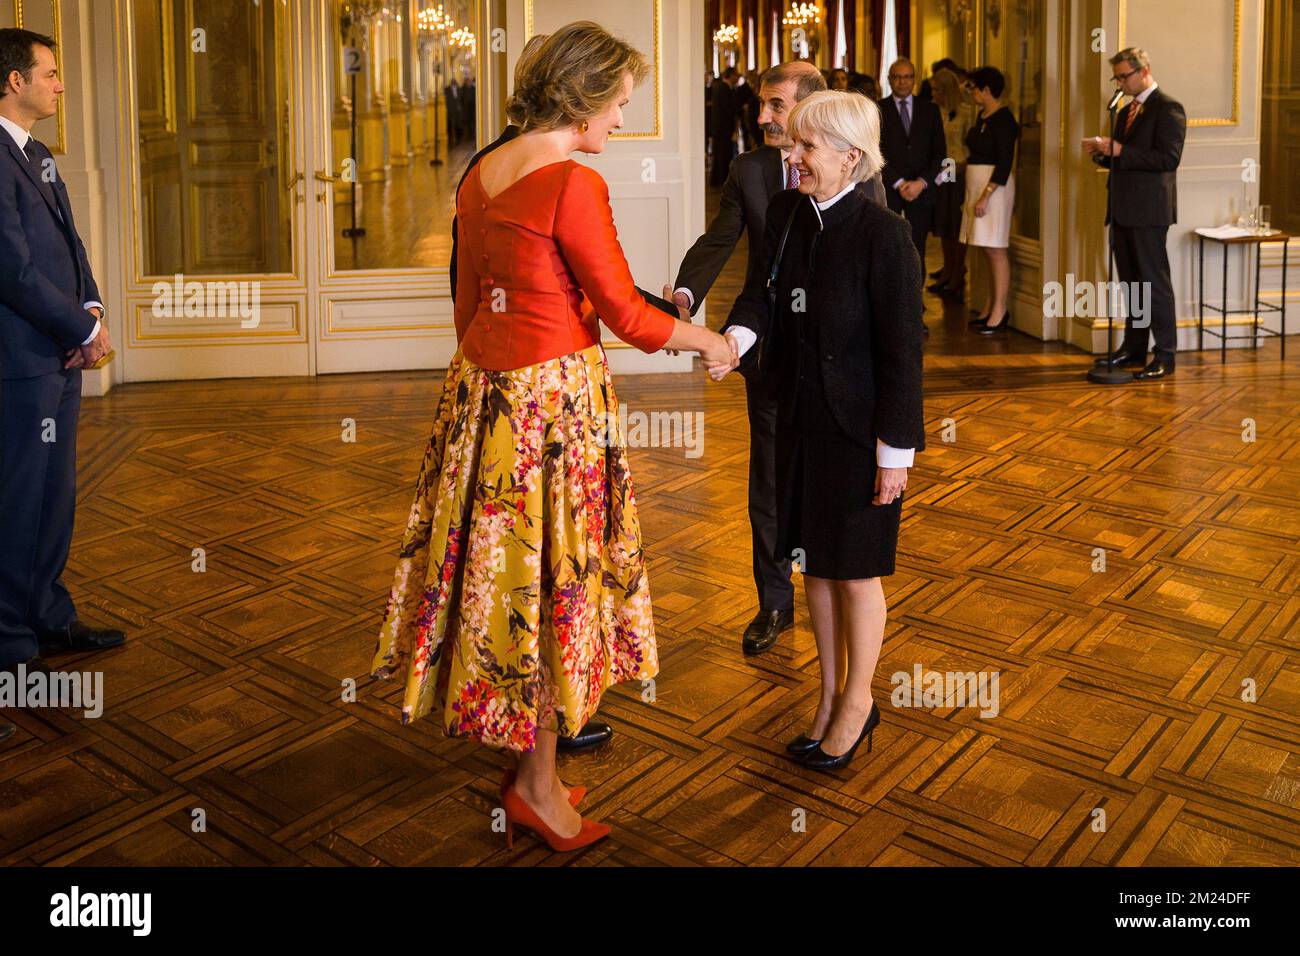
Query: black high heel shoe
(818, 759)
(802, 744)
(980, 322)
(987, 329)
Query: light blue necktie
(906, 114)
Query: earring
(584, 126)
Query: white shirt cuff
(744, 337)
(899, 183)
(92, 304)
(887, 456)
(690, 299)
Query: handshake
(88, 355)
(720, 353)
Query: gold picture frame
(1235, 118)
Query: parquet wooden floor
(1125, 734)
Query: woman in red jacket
(521, 592)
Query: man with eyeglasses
(912, 141)
(1143, 161)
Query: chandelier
(800, 13)
(433, 20)
(464, 37)
(727, 35)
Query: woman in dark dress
(842, 344)
(991, 191)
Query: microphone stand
(1108, 374)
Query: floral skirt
(521, 591)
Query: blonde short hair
(844, 120)
(571, 75)
(946, 87)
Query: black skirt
(825, 483)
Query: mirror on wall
(404, 123)
(214, 149)
(1015, 40)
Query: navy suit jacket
(44, 274)
(1144, 176)
(918, 154)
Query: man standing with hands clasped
(1143, 161)
(50, 328)
(912, 141)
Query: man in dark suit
(755, 177)
(726, 109)
(451, 100)
(911, 139)
(50, 328)
(1143, 161)
(469, 111)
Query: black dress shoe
(1122, 359)
(937, 286)
(936, 273)
(818, 759)
(78, 637)
(802, 744)
(1156, 369)
(7, 731)
(765, 628)
(592, 735)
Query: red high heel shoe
(508, 778)
(518, 811)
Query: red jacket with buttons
(528, 261)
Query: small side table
(1259, 304)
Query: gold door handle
(293, 185)
(323, 195)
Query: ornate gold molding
(129, 154)
(56, 31)
(1236, 68)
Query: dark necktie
(906, 115)
(37, 169)
(1133, 109)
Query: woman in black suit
(842, 342)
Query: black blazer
(725, 109)
(919, 155)
(44, 274)
(755, 177)
(861, 282)
(1144, 176)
